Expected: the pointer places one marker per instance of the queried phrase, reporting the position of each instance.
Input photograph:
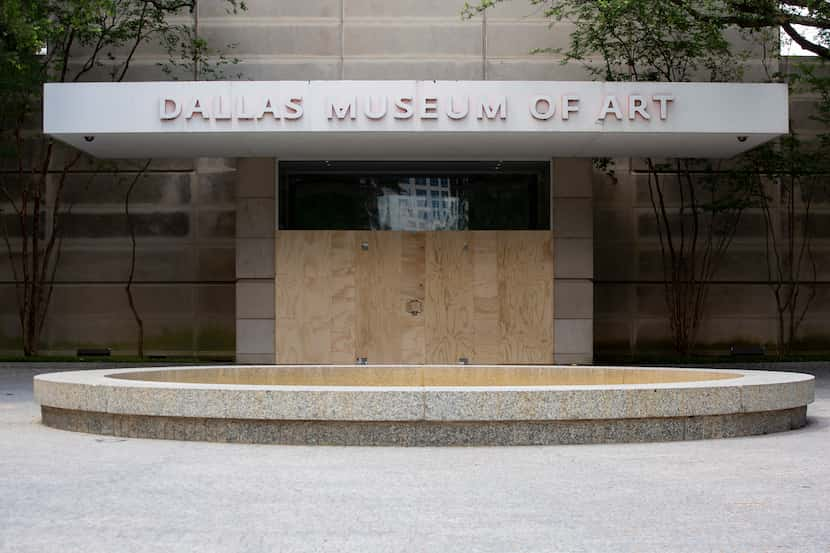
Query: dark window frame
(539, 212)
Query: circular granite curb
(744, 403)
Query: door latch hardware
(364, 246)
(362, 360)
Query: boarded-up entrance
(414, 297)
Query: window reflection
(427, 203)
(414, 197)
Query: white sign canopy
(430, 120)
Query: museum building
(416, 221)
(391, 184)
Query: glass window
(414, 196)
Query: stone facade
(183, 213)
(573, 262)
(205, 227)
(630, 314)
(255, 224)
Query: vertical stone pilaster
(255, 225)
(573, 260)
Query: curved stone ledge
(426, 433)
(674, 407)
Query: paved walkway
(67, 492)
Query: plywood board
(449, 308)
(525, 282)
(379, 302)
(412, 289)
(486, 296)
(343, 248)
(303, 320)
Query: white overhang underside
(413, 146)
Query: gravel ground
(62, 491)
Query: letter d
(164, 113)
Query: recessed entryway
(414, 263)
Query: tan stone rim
(97, 391)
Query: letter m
(340, 109)
(491, 110)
